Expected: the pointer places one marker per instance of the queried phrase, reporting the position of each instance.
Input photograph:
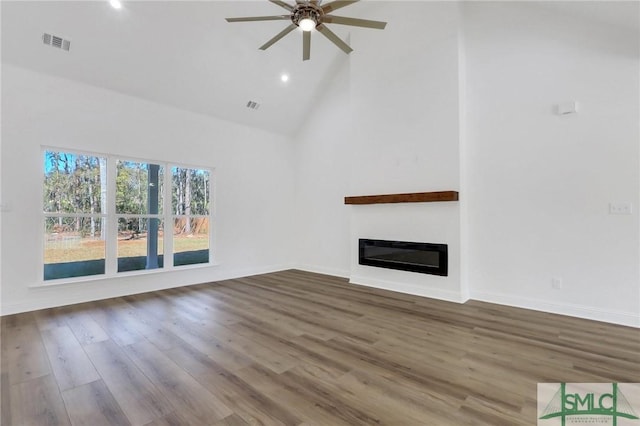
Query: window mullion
(168, 218)
(211, 217)
(112, 220)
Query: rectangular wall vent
(55, 41)
(253, 105)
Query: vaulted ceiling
(181, 53)
(184, 53)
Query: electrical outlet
(556, 283)
(620, 208)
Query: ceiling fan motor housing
(306, 11)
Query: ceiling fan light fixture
(306, 16)
(307, 24)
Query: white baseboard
(248, 272)
(433, 293)
(45, 300)
(322, 270)
(41, 303)
(45, 297)
(587, 312)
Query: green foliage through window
(132, 182)
(190, 191)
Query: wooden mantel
(411, 197)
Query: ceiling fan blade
(282, 4)
(334, 38)
(329, 19)
(258, 18)
(306, 45)
(278, 36)
(335, 5)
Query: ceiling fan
(310, 14)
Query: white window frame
(108, 212)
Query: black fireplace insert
(425, 258)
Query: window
(190, 205)
(74, 196)
(106, 215)
(139, 212)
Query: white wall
(1, 196)
(254, 177)
(323, 162)
(540, 184)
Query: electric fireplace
(425, 258)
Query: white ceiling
(180, 53)
(184, 53)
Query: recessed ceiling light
(115, 4)
(284, 78)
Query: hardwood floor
(296, 348)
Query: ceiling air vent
(56, 41)
(253, 105)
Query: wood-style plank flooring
(296, 348)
